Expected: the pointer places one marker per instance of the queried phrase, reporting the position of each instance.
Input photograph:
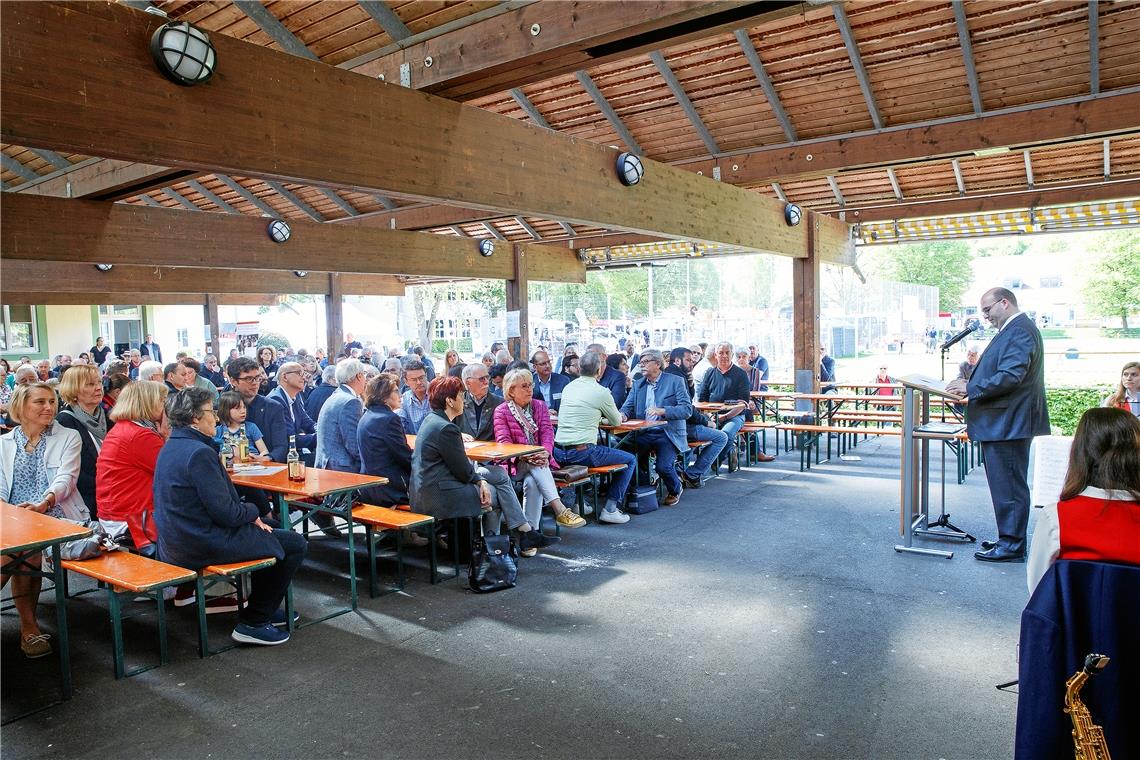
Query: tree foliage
(1113, 287)
(944, 264)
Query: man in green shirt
(584, 404)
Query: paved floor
(767, 616)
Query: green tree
(1113, 289)
(943, 264)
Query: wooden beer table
(326, 491)
(490, 451)
(24, 534)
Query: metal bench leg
(200, 603)
(116, 632)
(372, 569)
(434, 567)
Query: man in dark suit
(658, 395)
(151, 349)
(478, 420)
(611, 379)
(547, 385)
(269, 416)
(1005, 409)
(290, 383)
(320, 394)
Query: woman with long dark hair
(267, 360)
(1127, 394)
(1098, 516)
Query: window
(439, 330)
(183, 337)
(1013, 283)
(1051, 282)
(19, 328)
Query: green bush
(463, 345)
(1066, 405)
(277, 340)
(1120, 332)
(1054, 332)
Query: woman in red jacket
(526, 420)
(1098, 516)
(124, 474)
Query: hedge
(462, 345)
(1066, 405)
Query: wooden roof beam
(980, 203)
(72, 277)
(1094, 48)
(542, 40)
(386, 18)
(106, 180)
(608, 111)
(52, 229)
(150, 298)
(127, 111)
(273, 27)
(857, 62)
(1081, 119)
(967, 54)
(766, 85)
(683, 98)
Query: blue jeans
(655, 439)
(733, 426)
(596, 456)
(717, 440)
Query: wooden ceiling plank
(857, 63)
(17, 168)
(125, 111)
(52, 229)
(105, 179)
(211, 196)
(148, 298)
(531, 111)
(1094, 47)
(290, 196)
(179, 198)
(248, 195)
(386, 18)
(766, 85)
(339, 202)
(273, 27)
(608, 111)
(53, 158)
(686, 104)
(968, 54)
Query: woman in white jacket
(39, 469)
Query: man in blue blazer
(1005, 409)
(337, 443)
(658, 395)
(290, 383)
(269, 416)
(547, 385)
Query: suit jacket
(384, 451)
(485, 430)
(299, 423)
(557, 383)
(1007, 388)
(337, 447)
(443, 478)
(200, 519)
(269, 416)
(672, 396)
(317, 398)
(152, 350)
(614, 382)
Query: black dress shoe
(534, 539)
(1000, 554)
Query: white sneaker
(585, 509)
(617, 517)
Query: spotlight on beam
(630, 170)
(104, 267)
(183, 53)
(486, 247)
(279, 231)
(793, 215)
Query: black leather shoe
(1000, 554)
(534, 539)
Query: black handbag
(494, 563)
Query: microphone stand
(943, 520)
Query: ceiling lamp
(630, 170)
(486, 247)
(183, 53)
(793, 215)
(279, 231)
(104, 267)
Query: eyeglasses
(542, 364)
(210, 410)
(250, 379)
(481, 378)
(986, 309)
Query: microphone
(972, 326)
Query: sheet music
(1050, 464)
(257, 469)
(929, 384)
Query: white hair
(148, 370)
(347, 369)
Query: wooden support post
(211, 309)
(805, 307)
(334, 315)
(517, 298)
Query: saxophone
(1088, 737)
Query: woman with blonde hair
(1098, 516)
(39, 468)
(1127, 395)
(81, 390)
(524, 419)
(124, 479)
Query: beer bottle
(227, 453)
(242, 445)
(293, 459)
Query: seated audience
(192, 371)
(414, 406)
(755, 376)
(233, 421)
(488, 360)
(267, 360)
(613, 379)
(320, 394)
(1127, 395)
(548, 385)
(658, 395)
(178, 376)
(269, 416)
(124, 475)
(201, 521)
(337, 447)
(149, 370)
(966, 368)
(881, 380)
(760, 363)
(524, 419)
(382, 442)
(726, 383)
(479, 404)
(39, 470)
(585, 403)
(496, 374)
(451, 360)
(288, 393)
(446, 484)
(81, 391)
(212, 372)
(113, 386)
(570, 365)
(1098, 516)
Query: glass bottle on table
(242, 445)
(227, 453)
(293, 459)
